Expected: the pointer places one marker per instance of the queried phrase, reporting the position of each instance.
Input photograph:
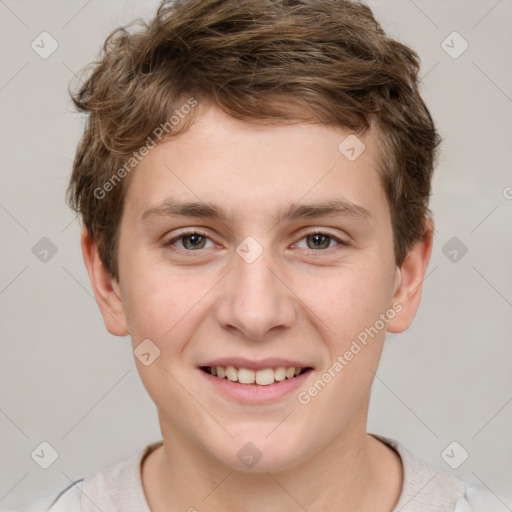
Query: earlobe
(409, 282)
(106, 290)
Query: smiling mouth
(263, 377)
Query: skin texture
(294, 301)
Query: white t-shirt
(118, 488)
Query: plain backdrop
(67, 382)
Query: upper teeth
(262, 377)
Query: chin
(258, 453)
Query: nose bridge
(254, 299)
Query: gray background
(66, 381)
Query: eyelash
(196, 231)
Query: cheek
(349, 300)
(166, 306)
(348, 310)
(153, 303)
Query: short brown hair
(254, 59)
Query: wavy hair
(264, 61)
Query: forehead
(255, 168)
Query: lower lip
(254, 393)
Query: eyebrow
(329, 208)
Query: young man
(253, 182)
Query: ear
(106, 290)
(410, 277)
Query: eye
(194, 240)
(191, 241)
(319, 240)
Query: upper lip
(255, 364)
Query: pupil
(318, 238)
(193, 240)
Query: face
(284, 261)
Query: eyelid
(191, 231)
(321, 231)
(185, 232)
(316, 231)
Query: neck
(356, 472)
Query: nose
(256, 299)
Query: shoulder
(114, 488)
(426, 488)
(65, 500)
(477, 498)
